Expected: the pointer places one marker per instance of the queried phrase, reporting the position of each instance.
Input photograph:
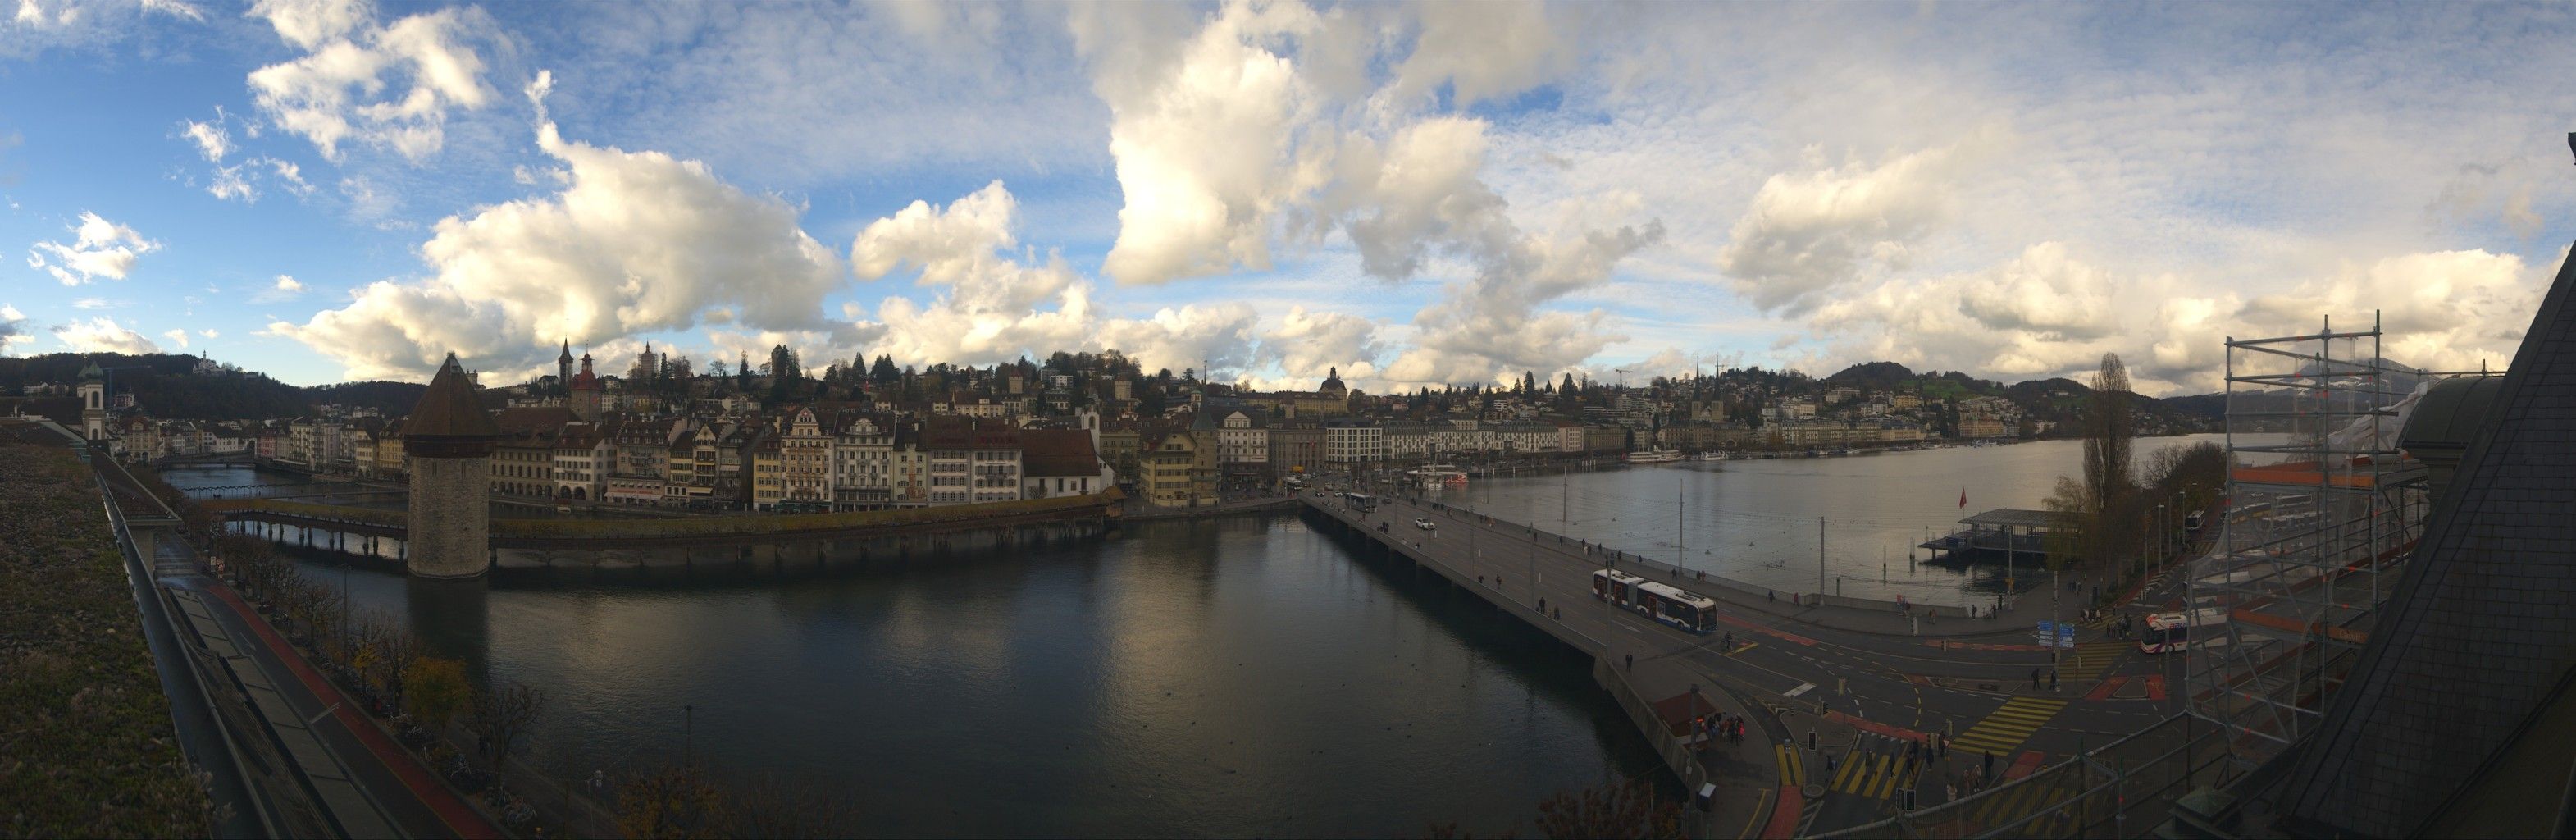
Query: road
(1864, 693)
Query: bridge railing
(702, 527)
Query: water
(1236, 677)
(1756, 521)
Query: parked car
(1424, 523)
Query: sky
(1416, 194)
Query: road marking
(1793, 768)
(2007, 727)
(1801, 689)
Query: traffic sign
(2045, 633)
(2066, 635)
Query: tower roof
(585, 380)
(449, 408)
(91, 372)
(566, 358)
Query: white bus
(1679, 608)
(1615, 587)
(2166, 633)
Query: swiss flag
(1963, 498)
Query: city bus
(2165, 633)
(1361, 502)
(1615, 587)
(1679, 608)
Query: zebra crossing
(1877, 776)
(2002, 731)
(1793, 766)
(2091, 659)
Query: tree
(501, 715)
(671, 803)
(884, 373)
(438, 691)
(1619, 809)
(1567, 387)
(782, 807)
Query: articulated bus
(1361, 502)
(1660, 602)
(2166, 633)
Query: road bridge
(1838, 693)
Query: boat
(1712, 456)
(1654, 456)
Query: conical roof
(449, 409)
(91, 372)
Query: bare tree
(670, 803)
(777, 808)
(501, 715)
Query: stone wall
(450, 525)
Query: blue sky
(1410, 193)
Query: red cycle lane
(459, 817)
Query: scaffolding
(2321, 512)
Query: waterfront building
(805, 461)
(584, 454)
(1243, 442)
(1297, 446)
(768, 474)
(971, 461)
(1167, 467)
(522, 459)
(1599, 439)
(863, 462)
(363, 442)
(449, 439)
(1348, 442)
(1060, 462)
(909, 463)
(1408, 440)
(735, 452)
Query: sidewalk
(1746, 773)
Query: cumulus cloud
(212, 140)
(99, 248)
(387, 86)
(996, 306)
(209, 332)
(1810, 233)
(1306, 345)
(103, 335)
(631, 242)
(178, 337)
(2446, 310)
(13, 330)
(286, 288)
(1262, 122)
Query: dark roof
(1053, 453)
(2018, 518)
(2478, 635)
(449, 408)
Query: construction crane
(1623, 377)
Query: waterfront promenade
(1835, 689)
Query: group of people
(1727, 726)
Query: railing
(2123, 789)
(699, 528)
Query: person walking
(1632, 662)
(1990, 764)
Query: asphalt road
(1877, 690)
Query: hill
(1873, 375)
(168, 386)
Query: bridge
(338, 521)
(1837, 693)
(238, 456)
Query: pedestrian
(1953, 790)
(1632, 662)
(1990, 765)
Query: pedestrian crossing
(1793, 766)
(1876, 776)
(2091, 659)
(2004, 730)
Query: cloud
(1810, 233)
(285, 289)
(1262, 123)
(95, 303)
(103, 335)
(209, 332)
(178, 337)
(997, 307)
(13, 330)
(389, 87)
(99, 248)
(212, 140)
(1308, 344)
(631, 242)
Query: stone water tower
(449, 440)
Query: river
(1232, 677)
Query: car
(1424, 523)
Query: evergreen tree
(884, 372)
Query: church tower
(93, 394)
(449, 439)
(563, 366)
